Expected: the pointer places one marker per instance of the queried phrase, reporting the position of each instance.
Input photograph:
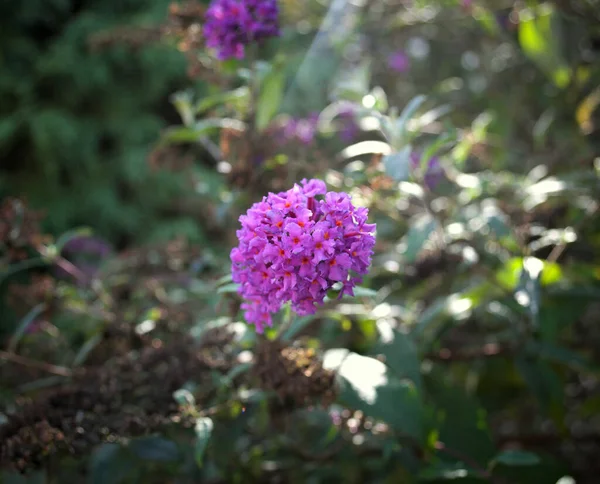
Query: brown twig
(40, 365)
(488, 350)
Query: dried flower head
(296, 374)
(232, 24)
(295, 247)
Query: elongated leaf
(270, 97)
(239, 96)
(516, 458)
(24, 325)
(192, 134)
(86, 349)
(72, 234)
(297, 325)
(400, 127)
(228, 288)
(204, 428)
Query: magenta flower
(232, 24)
(399, 61)
(293, 247)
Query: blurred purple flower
(300, 130)
(232, 24)
(399, 61)
(85, 253)
(434, 173)
(349, 128)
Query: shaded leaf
(421, 229)
(110, 464)
(155, 448)
(516, 458)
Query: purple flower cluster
(432, 175)
(295, 247)
(299, 130)
(232, 24)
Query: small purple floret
(294, 247)
(233, 24)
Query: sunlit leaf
(368, 385)
(204, 428)
(228, 288)
(397, 165)
(540, 41)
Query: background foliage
(469, 354)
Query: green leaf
(461, 421)
(445, 471)
(528, 294)
(540, 40)
(24, 324)
(72, 234)
(184, 397)
(516, 458)
(400, 126)
(269, 100)
(434, 148)
(110, 464)
(155, 448)
(542, 381)
(225, 279)
(238, 96)
(400, 353)
(297, 325)
(193, 134)
(228, 288)
(361, 291)
(397, 165)
(87, 348)
(560, 354)
(421, 229)
(368, 385)
(204, 428)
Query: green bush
(78, 122)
